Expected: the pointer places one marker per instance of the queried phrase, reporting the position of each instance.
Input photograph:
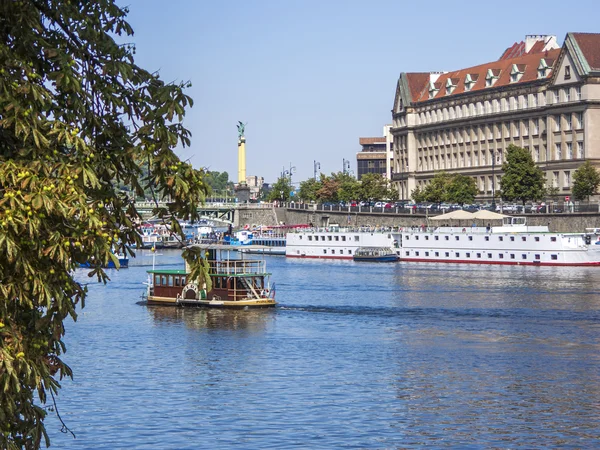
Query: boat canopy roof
(168, 271)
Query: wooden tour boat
(236, 282)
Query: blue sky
(310, 77)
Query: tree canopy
(281, 190)
(78, 118)
(586, 180)
(445, 187)
(522, 180)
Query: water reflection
(252, 320)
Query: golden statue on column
(241, 153)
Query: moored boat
(375, 254)
(235, 282)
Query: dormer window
(544, 67)
(433, 90)
(451, 85)
(516, 72)
(491, 77)
(470, 81)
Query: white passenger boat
(512, 243)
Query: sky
(310, 77)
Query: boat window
(301, 236)
(447, 238)
(524, 238)
(523, 256)
(156, 280)
(407, 253)
(310, 238)
(329, 238)
(349, 252)
(500, 238)
(512, 256)
(356, 238)
(406, 237)
(337, 238)
(416, 238)
(426, 238)
(457, 255)
(325, 251)
(416, 253)
(537, 239)
(426, 253)
(437, 238)
(457, 237)
(176, 281)
(343, 238)
(501, 256)
(489, 255)
(553, 239)
(170, 280)
(470, 238)
(447, 254)
(537, 256)
(479, 255)
(512, 238)
(437, 253)
(487, 238)
(163, 280)
(322, 238)
(468, 255)
(554, 257)
(333, 252)
(341, 252)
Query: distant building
(538, 95)
(375, 155)
(255, 184)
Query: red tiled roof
(517, 49)
(589, 43)
(416, 81)
(528, 63)
(371, 140)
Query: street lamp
(316, 165)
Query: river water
(357, 355)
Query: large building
(538, 95)
(375, 155)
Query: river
(356, 355)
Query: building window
(578, 93)
(516, 128)
(567, 72)
(557, 123)
(569, 150)
(558, 151)
(579, 149)
(536, 153)
(579, 120)
(567, 95)
(555, 179)
(555, 97)
(568, 122)
(536, 127)
(567, 179)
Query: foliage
(522, 179)
(461, 189)
(586, 180)
(308, 189)
(418, 195)
(348, 189)
(436, 191)
(78, 118)
(374, 186)
(281, 190)
(218, 182)
(328, 190)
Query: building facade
(375, 155)
(538, 95)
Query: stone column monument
(242, 190)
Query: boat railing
(238, 267)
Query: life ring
(246, 227)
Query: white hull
(454, 245)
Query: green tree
(78, 118)
(522, 179)
(281, 190)
(328, 192)
(219, 182)
(373, 186)
(586, 180)
(308, 189)
(348, 186)
(461, 189)
(437, 190)
(418, 195)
